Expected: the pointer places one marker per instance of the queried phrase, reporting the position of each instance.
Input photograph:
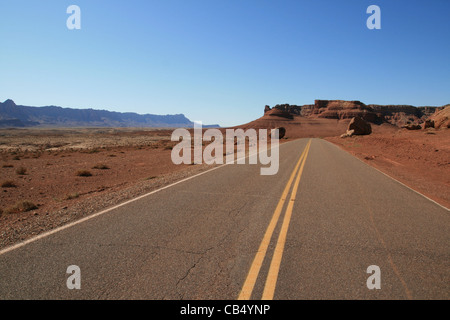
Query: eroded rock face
(340, 109)
(442, 118)
(359, 126)
(428, 124)
(279, 113)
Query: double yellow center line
(272, 276)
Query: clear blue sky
(221, 61)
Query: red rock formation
(279, 113)
(359, 126)
(442, 117)
(398, 115)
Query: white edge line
(89, 217)
(440, 205)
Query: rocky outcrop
(281, 132)
(398, 115)
(359, 126)
(279, 113)
(340, 109)
(404, 114)
(442, 118)
(412, 126)
(428, 124)
(293, 109)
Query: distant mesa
(12, 115)
(279, 113)
(332, 117)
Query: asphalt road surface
(309, 232)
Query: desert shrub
(21, 170)
(71, 196)
(100, 166)
(21, 206)
(8, 184)
(83, 173)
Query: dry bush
(21, 170)
(83, 173)
(21, 206)
(100, 166)
(71, 196)
(8, 184)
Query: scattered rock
(428, 124)
(282, 132)
(349, 133)
(359, 126)
(412, 126)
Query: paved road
(309, 232)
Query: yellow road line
(272, 276)
(253, 273)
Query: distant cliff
(12, 115)
(341, 109)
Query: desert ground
(53, 176)
(50, 177)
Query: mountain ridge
(12, 115)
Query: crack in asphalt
(233, 213)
